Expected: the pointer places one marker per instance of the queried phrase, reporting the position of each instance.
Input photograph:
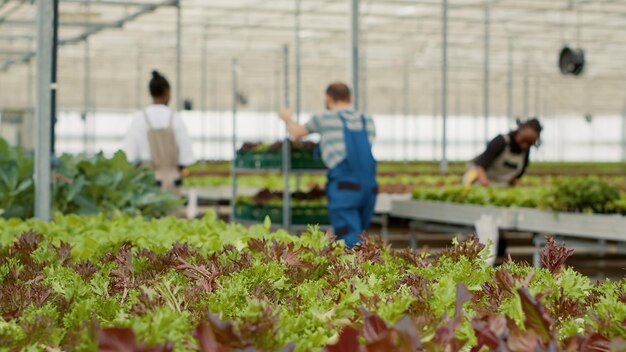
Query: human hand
(484, 181)
(285, 115)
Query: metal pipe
(4, 3)
(363, 78)
(233, 167)
(526, 93)
(203, 90)
(9, 12)
(86, 93)
(12, 52)
(298, 62)
(15, 37)
(112, 2)
(30, 94)
(537, 96)
(486, 73)
(509, 90)
(298, 72)
(53, 84)
(286, 148)
(354, 52)
(215, 105)
(435, 115)
(405, 110)
(179, 29)
(139, 83)
(43, 123)
(624, 134)
(93, 29)
(443, 167)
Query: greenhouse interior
(312, 175)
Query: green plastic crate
(274, 159)
(243, 211)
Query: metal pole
(86, 87)
(43, 124)
(510, 84)
(443, 167)
(215, 106)
(179, 30)
(526, 95)
(203, 90)
(298, 59)
(435, 115)
(363, 77)
(286, 148)
(354, 52)
(233, 167)
(486, 73)
(53, 69)
(139, 83)
(624, 134)
(30, 94)
(537, 96)
(86, 91)
(405, 110)
(298, 73)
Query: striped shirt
(332, 144)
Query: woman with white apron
(506, 158)
(158, 137)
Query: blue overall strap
(364, 123)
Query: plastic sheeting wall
(565, 138)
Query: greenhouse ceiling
(109, 47)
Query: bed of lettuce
(83, 283)
(572, 194)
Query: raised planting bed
(452, 213)
(131, 284)
(591, 226)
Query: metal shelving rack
(286, 169)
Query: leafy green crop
(16, 183)
(583, 195)
(83, 283)
(82, 186)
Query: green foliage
(571, 194)
(501, 197)
(16, 182)
(82, 186)
(584, 195)
(88, 275)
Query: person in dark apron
(346, 146)
(506, 158)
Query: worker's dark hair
(531, 123)
(158, 85)
(339, 91)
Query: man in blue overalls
(346, 146)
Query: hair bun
(155, 74)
